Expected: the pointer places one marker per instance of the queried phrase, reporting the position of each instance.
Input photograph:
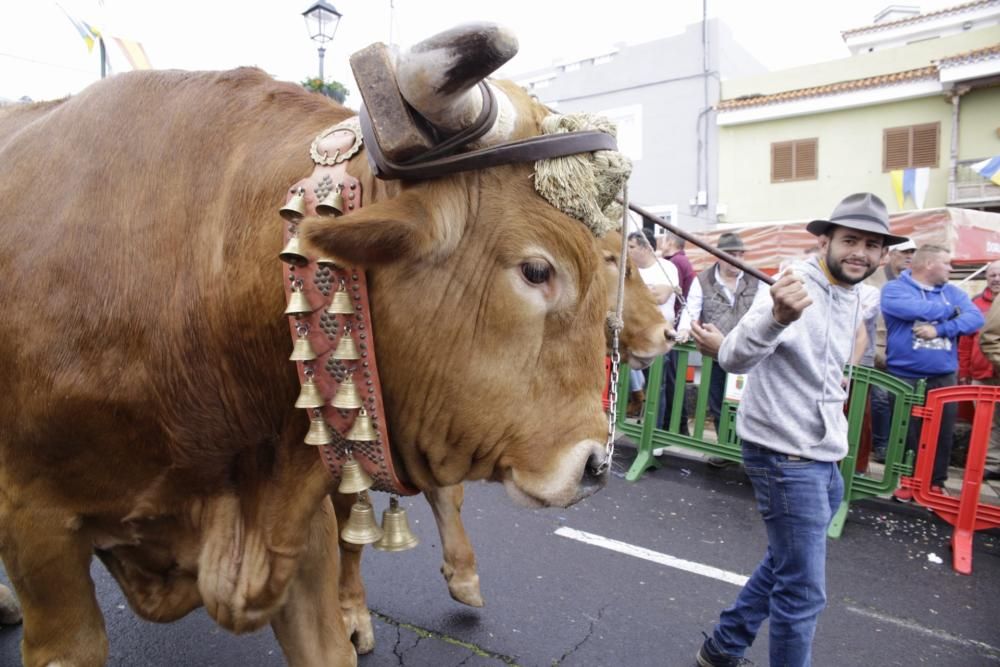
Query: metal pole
(707, 247)
(322, 52)
(104, 58)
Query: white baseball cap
(908, 244)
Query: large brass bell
(295, 209)
(353, 478)
(292, 253)
(362, 429)
(332, 204)
(309, 396)
(361, 527)
(347, 396)
(396, 533)
(319, 433)
(346, 347)
(298, 304)
(302, 350)
(341, 304)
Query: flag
(134, 53)
(921, 181)
(87, 32)
(988, 168)
(896, 175)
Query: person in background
(719, 297)
(660, 276)
(989, 337)
(794, 342)
(898, 260)
(672, 248)
(975, 368)
(924, 316)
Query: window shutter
(925, 145)
(896, 144)
(781, 161)
(805, 159)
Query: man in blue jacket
(924, 316)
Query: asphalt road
(553, 600)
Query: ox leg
(459, 567)
(353, 602)
(48, 562)
(309, 626)
(10, 612)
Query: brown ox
(644, 335)
(149, 411)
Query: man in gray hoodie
(794, 343)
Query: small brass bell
(397, 535)
(341, 304)
(361, 527)
(292, 253)
(298, 304)
(332, 204)
(353, 478)
(326, 261)
(346, 347)
(362, 429)
(295, 209)
(319, 433)
(302, 350)
(347, 396)
(309, 396)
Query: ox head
(488, 302)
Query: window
(793, 160)
(913, 146)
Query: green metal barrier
(648, 438)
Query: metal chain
(615, 322)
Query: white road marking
(940, 635)
(654, 556)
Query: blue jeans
(669, 381)
(881, 402)
(797, 499)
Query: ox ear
(423, 222)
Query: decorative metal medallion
(325, 143)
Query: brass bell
(332, 204)
(319, 433)
(396, 533)
(302, 350)
(295, 209)
(362, 429)
(346, 347)
(361, 527)
(326, 261)
(309, 396)
(292, 253)
(347, 396)
(341, 304)
(298, 304)
(353, 478)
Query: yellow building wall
(849, 159)
(979, 123)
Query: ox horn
(439, 76)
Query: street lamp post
(321, 22)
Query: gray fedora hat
(730, 242)
(863, 211)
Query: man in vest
(898, 260)
(720, 296)
(975, 368)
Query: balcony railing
(971, 188)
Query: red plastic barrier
(965, 513)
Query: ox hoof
(464, 588)
(10, 612)
(359, 628)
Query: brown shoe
(635, 402)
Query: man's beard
(838, 272)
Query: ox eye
(536, 273)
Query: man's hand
(790, 298)
(708, 338)
(925, 331)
